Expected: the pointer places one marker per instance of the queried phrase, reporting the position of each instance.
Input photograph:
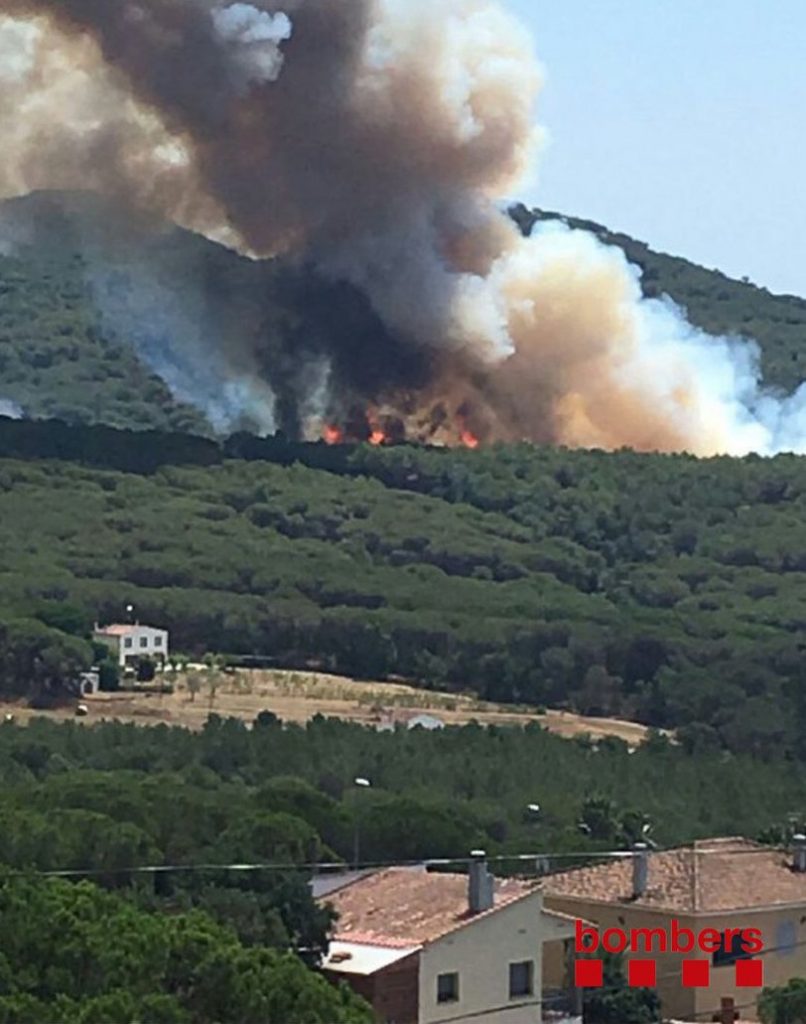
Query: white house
(427, 947)
(130, 642)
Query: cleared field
(298, 696)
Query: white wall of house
(480, 953)
(138, 642)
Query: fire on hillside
(385, 427)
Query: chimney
(640, 869)
(480, 884)
(799, 852)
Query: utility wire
(341, 866)
(335, 866)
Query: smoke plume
(11, 410)
(371, 140)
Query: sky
(680, 122)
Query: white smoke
(10, 409)
(255, 37)
(170, 327)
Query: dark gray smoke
(370, 139)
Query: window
(144, 641)
(127, 642)
(448, 988)
(521, 979)
(730, 953)
(158, 641)
(786, 938)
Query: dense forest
(109, 797)
(661, 588)
(105, 320)
(75, 954)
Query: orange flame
(469, 440)
(377, 434)
(332, 434)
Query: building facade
(131, 642)
(427, 947)
(719, 884)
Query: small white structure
(390, 720)
(90, 682)
(131, 642)
(430, 722)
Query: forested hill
(664, 588)
(97, 313)
(57, 355)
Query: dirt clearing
(298, 696)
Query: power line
(314, 867)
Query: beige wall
(676, 1000)
(481, 953)
(779, 964)
(684, 1003)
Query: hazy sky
(681, 122)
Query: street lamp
(533, 813)
(362, 783)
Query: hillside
(106, 318)
(659, 588)
(110, 317)
(56, 356)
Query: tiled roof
(115, 630)
(709, 875)
(411, 906)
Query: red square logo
(696, 973)
(588, 973)
(642, 973)
(749, 973)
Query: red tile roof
(115, 630)
(708, 875)
(400, 905)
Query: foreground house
(431, 948)
(130, 642)
(711, 884)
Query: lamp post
(361, 783)
(533, 816)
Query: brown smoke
(371, 138)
